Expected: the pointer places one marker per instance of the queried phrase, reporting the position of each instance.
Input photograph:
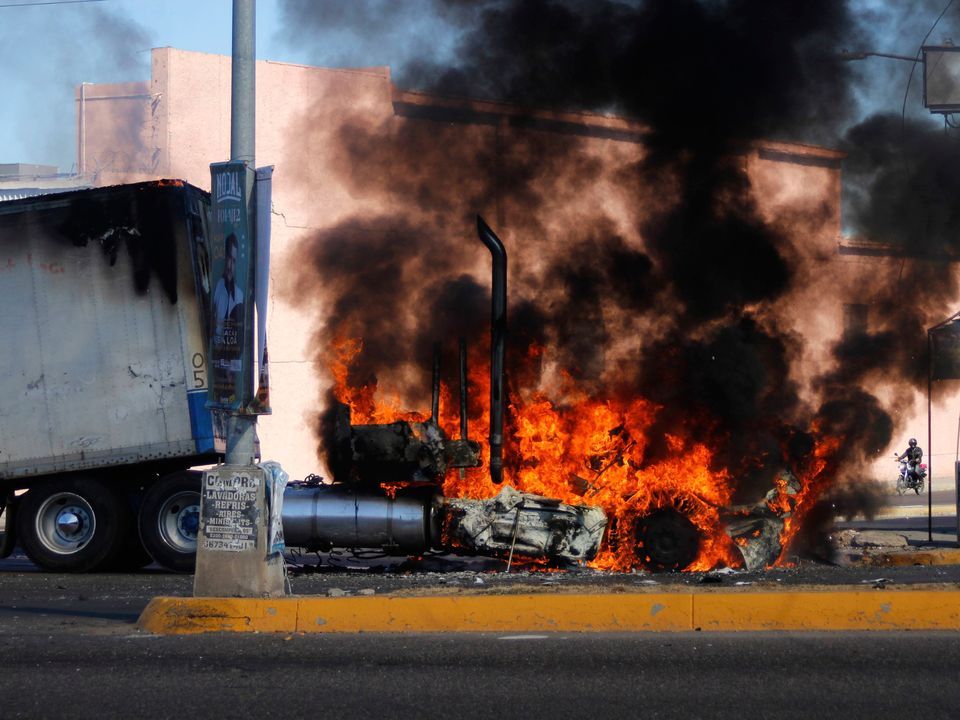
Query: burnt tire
(75, 525)
(170, 519)
(667, 541)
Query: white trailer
(104, 380)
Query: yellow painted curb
(639, 612)
(844, 610)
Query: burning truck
(99, 442)
(399, 486)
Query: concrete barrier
(616, 612)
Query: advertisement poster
(230, 519)
(232, 293)
(264, 197)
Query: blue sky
(47, 50)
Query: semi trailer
(104, 381)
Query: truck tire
(170, 519)
(72, 524)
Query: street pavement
(69, 647)
(681, 675)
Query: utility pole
(240, 541)
(242, 428)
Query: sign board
(240, 539)
(941, 78)
(264, 194)
(232, 258)
(231, 516)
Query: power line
(47, 2)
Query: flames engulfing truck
(388, 478)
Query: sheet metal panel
(98, 350)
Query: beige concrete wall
(114, 132)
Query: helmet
(913, 442)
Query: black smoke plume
(705, 79)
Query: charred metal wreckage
(388, 477)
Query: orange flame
(595, 452)
(814, 480)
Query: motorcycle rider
(913, 455)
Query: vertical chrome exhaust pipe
(498, 332)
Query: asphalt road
(69, 648)
(939, 497)
(688, 675)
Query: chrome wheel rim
(179, 521)
(65, 523)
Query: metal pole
(957, 490)
(435, 396)
(463, 389)
(83, 129)
(242, 429)
(463, 396)
(498, 332)
(243, 89)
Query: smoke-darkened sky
(703, 77)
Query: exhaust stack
(498, 332)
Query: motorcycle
(911, 481)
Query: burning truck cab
(391, 500)
(389, 479)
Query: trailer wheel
(74, 524)
(170, 520)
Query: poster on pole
(232, 258)
(260, 405)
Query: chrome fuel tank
(342, 516)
